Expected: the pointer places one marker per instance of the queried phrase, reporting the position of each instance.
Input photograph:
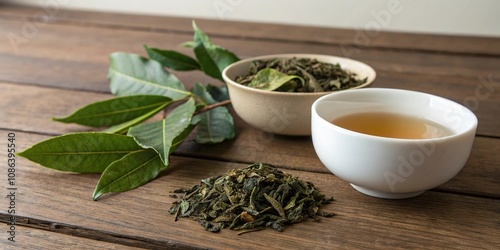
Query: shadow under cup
(390, 167)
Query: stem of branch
(215, 105)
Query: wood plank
(459, 90)
(81, 69)
(481, 93)
(35, 106)
(351, 40)
(480, 175)
(143, 213)
(32, 238)
(76, 52)
(80, 55)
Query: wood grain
(35, 106)
(62, 64)
(351, 40)
(80, 55)
(80, 61)
(46, 103)
(32, 238)
(432, 219)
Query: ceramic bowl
(282, 112)
(390, 167)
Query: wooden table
(59, 64)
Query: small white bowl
(282, 112)
(389, 167)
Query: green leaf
(183, 135)
(311, 84)
(161, 136)
(115, 111)
(203, 95)
(130, 74)
(270, 79)
(172, 59)
(123, 127)
(213, 59)
(336, 83)
(133, 170)
(218, 93)
(188, 44)
(81, 152)
(215, 125)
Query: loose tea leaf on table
(298, 75)
(250, 199)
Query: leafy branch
(129, 151)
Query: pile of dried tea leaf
(298, 75)
(250, 199)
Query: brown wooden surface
(63, 67)
(432, 219)
(34, 238)
(251, 145)
(282, 33)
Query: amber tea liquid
(392, 125)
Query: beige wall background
(457, 17)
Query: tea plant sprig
(131, 152)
